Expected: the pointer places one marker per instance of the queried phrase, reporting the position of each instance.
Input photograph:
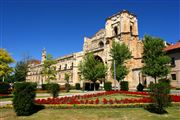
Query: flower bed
(175, 98)
(84, 99)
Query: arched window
(98, 58)
(107, 42)
(115, 30)
(101, 44)
(60, 67)
(72, 65)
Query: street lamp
(115, 74)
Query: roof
(173, 47)
(101, 31)
(123, 11)
(35, 62)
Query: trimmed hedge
(167, 81)
(86, 86)
(44, 86)
(54, 89)
(77, 85)
(90, 86)
(124, 85)
(24, 96)
(160, 96)
(140, 87)
(107, 86)
(4, 88)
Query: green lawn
(93, 114)
(117, 96)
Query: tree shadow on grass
(154, 109)
(37, 108)
(34, 109)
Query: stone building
(121, 27)
(174, 52)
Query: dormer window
(115, 30)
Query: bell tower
(43, 56)
(122, 26)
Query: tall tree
(120, 53)
(48, 68)
(5, 61)
(21, 70)
(156, 62)
(92, 69)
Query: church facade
(121, 27)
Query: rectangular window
(173, 62)
(131, 30)
(173, 76)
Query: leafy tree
(48, 70)
(120, 53)
(5, 61)
(156, 62)
(92, 69)
(21, 70)
(179, 40)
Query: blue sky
(27, 26)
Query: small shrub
(4, 88)
(124, 85)
(107, 86)
(67, 87)
(140, 87)
(78, 87)
(23, 100)
(160, 96)
(54, 89)
(97, 86)
(92, 86)
(44, 86)
(167, 81)
(86, 86)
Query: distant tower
(43, 57)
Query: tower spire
(43, 57)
